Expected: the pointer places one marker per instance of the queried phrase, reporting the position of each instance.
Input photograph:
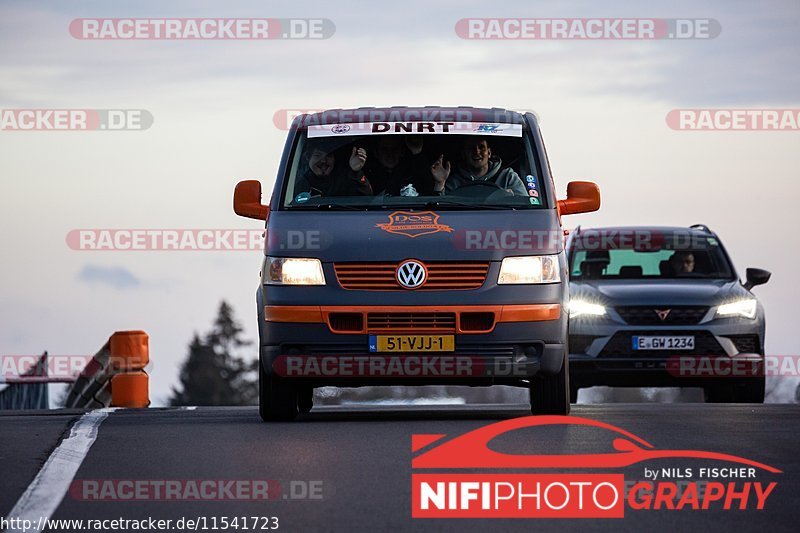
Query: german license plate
(411, 343)
(664, 343)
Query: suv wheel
(277, 400)
(550, 395)
(750, 390)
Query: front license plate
(663, 343)
(411, 343)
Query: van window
(398, 171)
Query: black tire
(750, 390)
(550, 394)
(718, 393)
(305, 399)
(277, 400)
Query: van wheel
(277, 400)
(550, 395)
(305, 399)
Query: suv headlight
(529, 269)
(743, 308)
(582, 307)
(293, 271)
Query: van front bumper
(302, 344)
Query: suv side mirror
(247, 200)
(582, 197)
(756, 276)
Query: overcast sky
(602, 106)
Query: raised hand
(440, 171)
(357, 158)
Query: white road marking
(43, 496)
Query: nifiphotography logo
(494, 484)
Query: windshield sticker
(393, 128)
(413, 224)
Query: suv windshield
(457, 165)
(668, 256)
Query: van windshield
(450, 165)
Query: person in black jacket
(323, 177)
(398, 162)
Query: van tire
(305, 399)
(277, 400)
(550, 394)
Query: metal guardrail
(115, 376)
(24, 394)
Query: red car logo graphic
(471, 450)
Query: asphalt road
(358, 461)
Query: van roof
(410, 114)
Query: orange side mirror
(247, 200)
(582, 197)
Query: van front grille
(442, 276)
(411, 321)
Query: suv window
(699, 257)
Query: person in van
(398, 163)
(476, 164)
(322, 176)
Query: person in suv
(663, 307)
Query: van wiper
(332, 207)
(454, 203)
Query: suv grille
(649, 315)
(442, 275)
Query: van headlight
(293, 271)
(529, 269)
(742, 308)
(583, 308)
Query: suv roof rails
(702, 227)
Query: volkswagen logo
(411, 274)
